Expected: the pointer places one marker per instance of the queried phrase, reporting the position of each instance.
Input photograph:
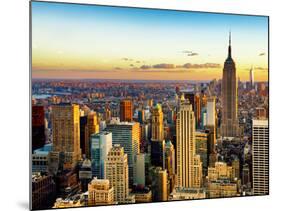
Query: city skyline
(101, 42)
(182, 135)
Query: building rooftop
(189, 190)
(44, 150)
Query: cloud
(118, 68)
(132, 65)
(261, 68)
(190, 53)
(126, 59)
(137, 61)
(262, 54)
(164, 66)
(193, 54)
(161, 71)
(200, 66)
(144, 67)
(177, 68)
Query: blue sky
(86, 37)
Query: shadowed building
(38, 127)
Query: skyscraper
(260, 159)
(185, 134)
(211, 111)
(157, 127)
(126, 111)
(127, 134)
(100, 145)
(116, 171)
(83, 140)
(251, 77)
(92, 127)
(159, 184)
(197, 103)
(229, 126)
(140, 169)
(201, 148)
(66, 132)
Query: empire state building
(229, 126)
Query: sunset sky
(86, 41)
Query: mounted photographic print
(137, 105)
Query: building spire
(229, 45)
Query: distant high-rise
(38, 127)
(66, 132)
(127, 134)
(116, 171)
(201, 148)
(100, 192)
(100, 144)
(229, 126)
(92, 127)
(126, 111)
(261, 113)
(211, 111)
(252, 80)
(157, 127)
(185, 134)
(107, 114)
(260, 156)
(140, 169)
(197, 111)
(141, 116)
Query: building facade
(127, 134)
(100, 192)
(185, 139)
(66, 132)
(116, 171)
(126, 111)
(260, 156)
(157, 127)
(100, 145)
